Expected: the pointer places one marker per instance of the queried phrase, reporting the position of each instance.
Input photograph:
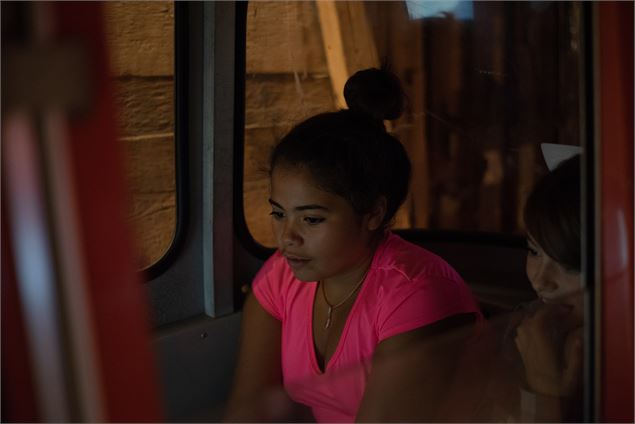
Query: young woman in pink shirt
(342, 298)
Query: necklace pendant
(328, 318)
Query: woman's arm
(550, 345)
(258, 375)
(412, 372)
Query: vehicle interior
(174, 198)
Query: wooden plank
(150, 163)
(257, 153)
(334, 48)
(278, 100)
(348, 42)
(141, 37)
(359, 42)
(150, 177)
(153, 220)
(283, 38)
(144, 105)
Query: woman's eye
(277, 215)
(530, 250)
(311, 220)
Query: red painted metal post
(116, 294)
(616, 243)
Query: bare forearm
(258, 377)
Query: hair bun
(375, 92)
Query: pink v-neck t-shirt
(406, 287)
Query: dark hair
(552, 213)
(349, 152)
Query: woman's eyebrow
(302, 207)
(276, 204)
(307, 207)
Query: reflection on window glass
(460, 9)
(487, 84)
(483, 94)
(141, 44)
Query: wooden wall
(482, 94)
(141, 39)
(286, 81)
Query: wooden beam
(360, 49)
(348, 42)
(333, 48)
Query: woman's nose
(543, 279)
(289, 235)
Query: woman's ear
(377, 214)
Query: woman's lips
(564, 303)
(296, 262)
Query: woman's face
(551, 280)
(318, 232)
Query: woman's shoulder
(276, 288)
(412, 287)
(274, 263)
(275, 272)
(413, 263)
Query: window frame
(180, 136)
(195, 276)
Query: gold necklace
(333, 307)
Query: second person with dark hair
(343, 295)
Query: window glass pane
(487, 83)
(287, 80)
(484, 89)
(141, 45)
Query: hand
(550, 345)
